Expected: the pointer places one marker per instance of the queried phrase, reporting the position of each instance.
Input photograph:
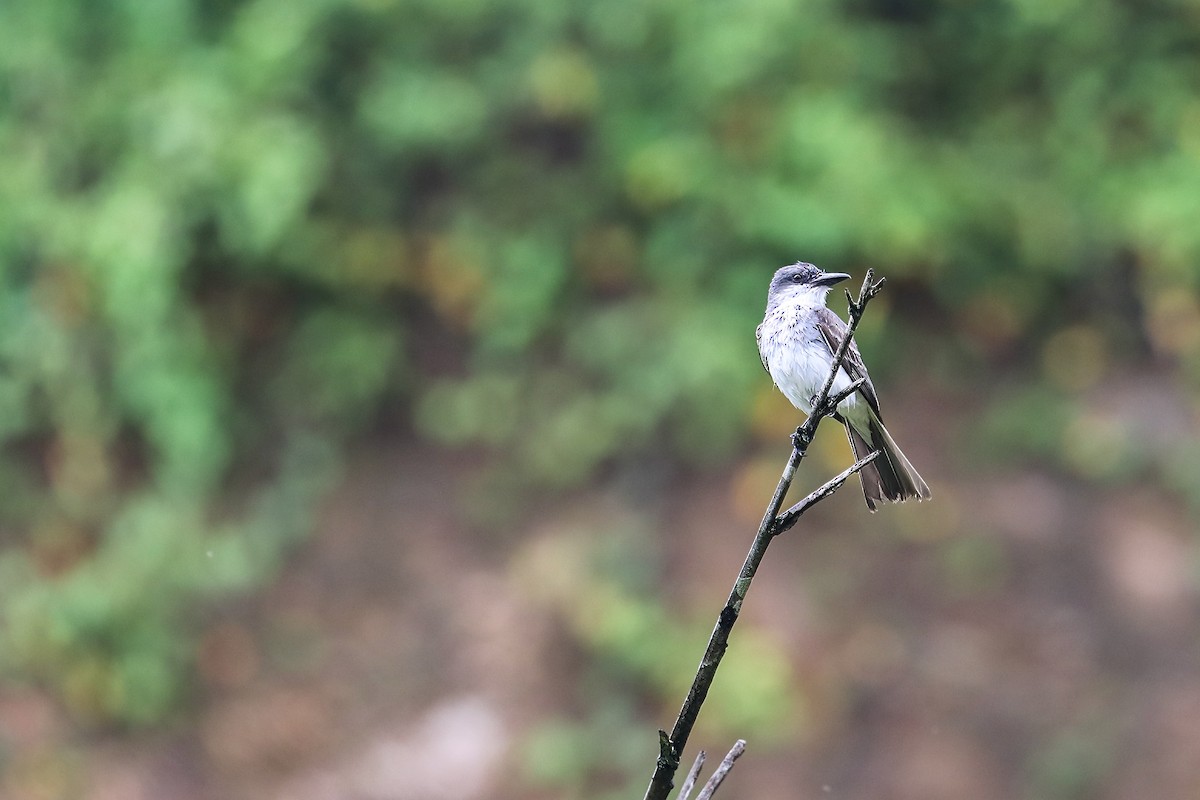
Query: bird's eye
(797, 278)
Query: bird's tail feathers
(890, 476)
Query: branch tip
(788, 518)
(692, 776)
(721, 771)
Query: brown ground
(1023, 636)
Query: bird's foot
(820, 408)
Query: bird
(797, 340)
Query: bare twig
(671, 746)
(692, 775)
(836, 400)
(714, 782)
(789, 518)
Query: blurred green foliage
(230, 232)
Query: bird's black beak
(831, 278)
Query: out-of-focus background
(381, 416)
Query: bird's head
(802, 284)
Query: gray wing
(832, 331)
(758, 340)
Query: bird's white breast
(798, 358)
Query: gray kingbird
(797, 340)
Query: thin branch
(790, 517)
(692, 775)
(836, 400)
(718, 776)
(671, 747)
